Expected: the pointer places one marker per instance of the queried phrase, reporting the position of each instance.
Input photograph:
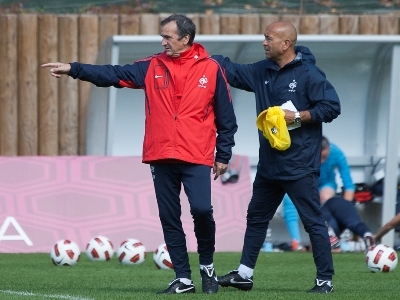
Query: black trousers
(168, 179)
(267, 195)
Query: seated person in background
(345, 215)
(332, 158)
(292, 222)
(339, 215)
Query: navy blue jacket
(306, 85)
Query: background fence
(40, 115)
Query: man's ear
(186, 39)
(286, 44)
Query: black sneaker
(235, 280)
(209, 280)
(178, 287)
(321, 287)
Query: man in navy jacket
(288, 73)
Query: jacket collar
(196, 52)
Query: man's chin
(172, 54)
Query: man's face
(171, 42)
(273, 44)
(324, 154)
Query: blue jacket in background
(302, 82)
(336, 160)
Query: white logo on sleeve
(203, 81)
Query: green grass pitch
(277, 276)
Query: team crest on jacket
(203, 81)
(292, 86)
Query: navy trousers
(342, 214)
(267, 195)
(168, 179)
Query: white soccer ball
(161, 258)
(100, 248)
(131, 252)
(381, 258)
(65, 253)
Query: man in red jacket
(189, 117)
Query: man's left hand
(219, 169)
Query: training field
(277, 276)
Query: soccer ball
(100, 248)
(131, 252)
(161, 258)
(381, 258)
(65, 253)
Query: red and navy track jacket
(189, 111)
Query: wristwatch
(297, 118)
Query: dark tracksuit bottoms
(267, 195)
(342, 214)
(168, 179)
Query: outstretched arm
(241, 76)
(387, 227)
(130, 75)
(58, 69)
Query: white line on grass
(43, 295)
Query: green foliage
(78, 6)
(201, 6)
(277, 276)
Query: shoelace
(209, 271)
